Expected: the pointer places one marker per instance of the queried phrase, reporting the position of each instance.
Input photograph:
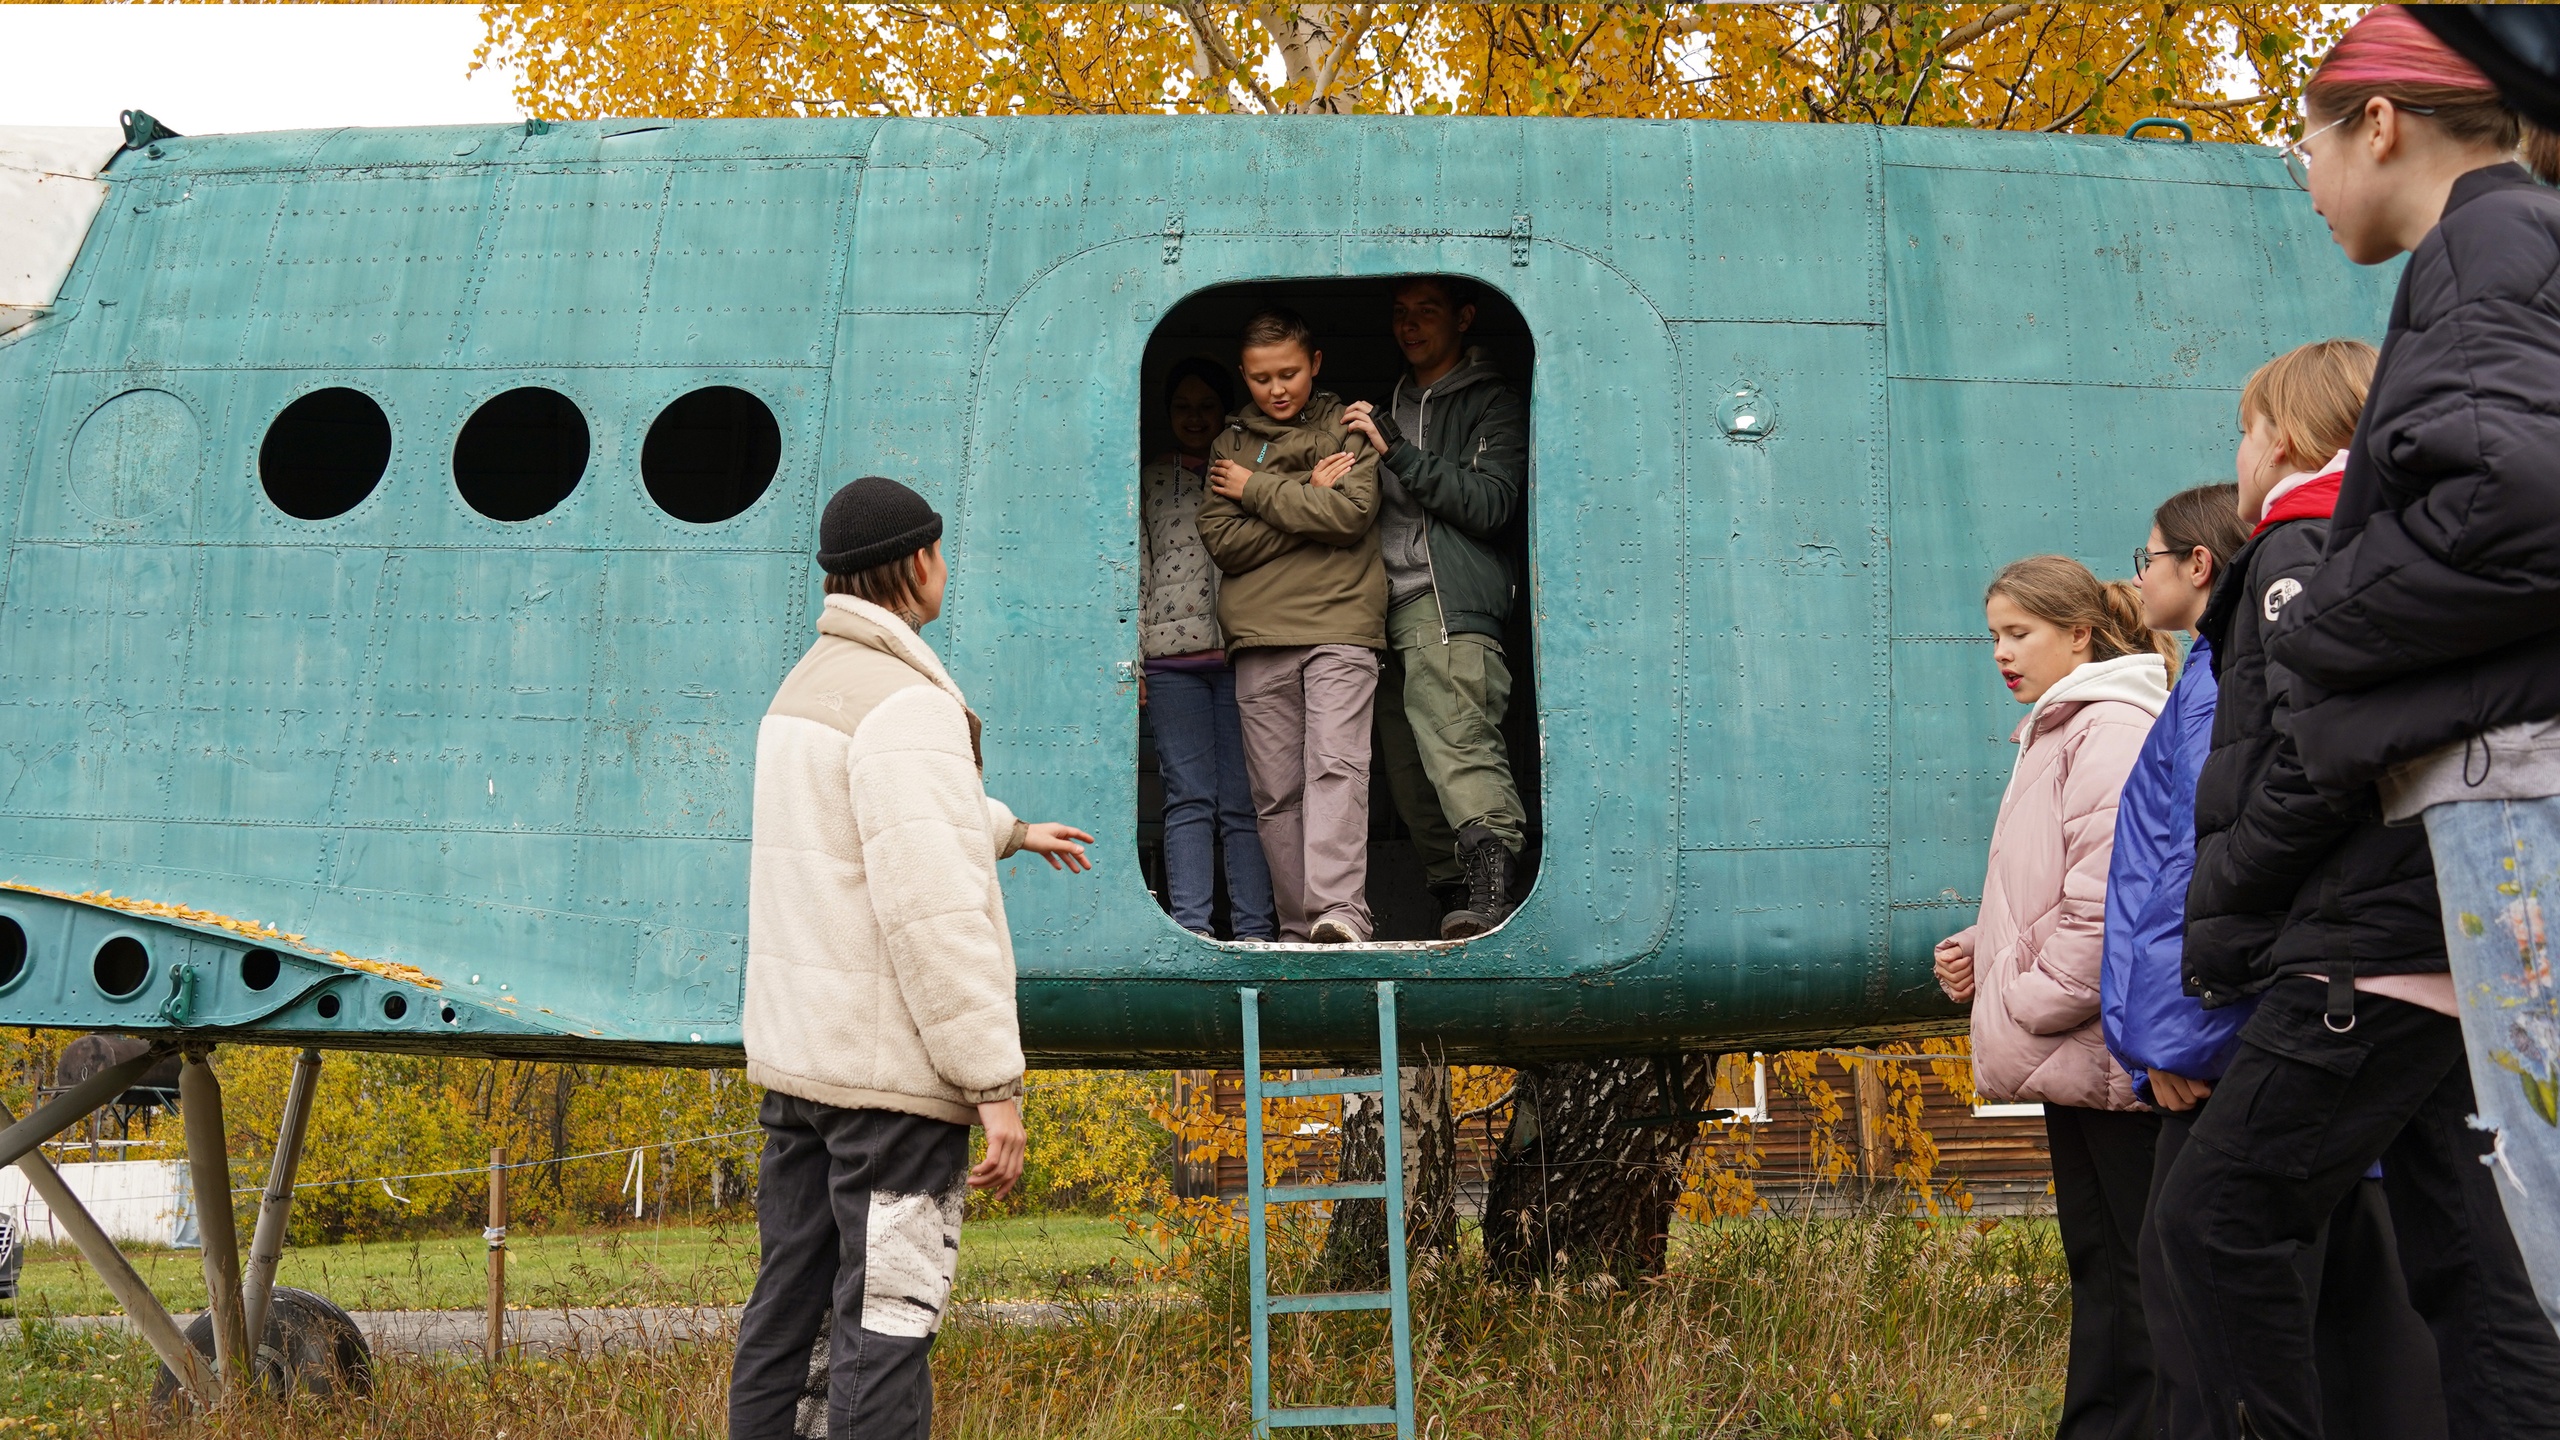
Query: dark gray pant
(859, 1215)
(2291, 1129)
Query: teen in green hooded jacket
(1456, 445)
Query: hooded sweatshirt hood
(2138, 680)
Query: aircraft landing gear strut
(304, 1342)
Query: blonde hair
(2061, 591)
(2313, 396)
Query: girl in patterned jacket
(1189, 692)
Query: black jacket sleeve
(2467, 415)
(1475, 483)
(2248, 873)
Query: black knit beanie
(871, 522)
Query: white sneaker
(1333, 932)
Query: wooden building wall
(2000, 1159)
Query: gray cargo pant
(1440, 737)
(859, 1215)
(1306, 711)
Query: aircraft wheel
(310, 1345)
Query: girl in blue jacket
(2172, 1046)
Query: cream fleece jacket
(879, 968)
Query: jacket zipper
(1430, 568)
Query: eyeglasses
(2297, 156)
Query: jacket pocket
(2274, 1107)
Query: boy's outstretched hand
(1062, 845)
(1006, 1145)
(1332, 468)
(1227, 478)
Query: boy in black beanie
(879, 1007)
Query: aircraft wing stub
(97, 961)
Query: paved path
(570, 1331)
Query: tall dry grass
(1762, 1328)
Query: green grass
(55, 1380)
(1014, 1258)
(1852, 1329)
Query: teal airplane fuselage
(1799, 391)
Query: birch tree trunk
(1576, 1188)
(1355, 1242)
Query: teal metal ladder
(1258, 1195)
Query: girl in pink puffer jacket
(2077, 652)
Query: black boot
(1491, 871)
(1448, 899)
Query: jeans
(2292, 1126)
(1305, 710)
(858, 1213)
(1441, 700)
(2498, 872)
(1208, 802)
(2101, 1178)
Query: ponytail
(2126, 634)
(2541, 153)
(2061, 591)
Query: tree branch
(2100, 88)
(2219, 106)
(1204, 28)
(1354, 27)
(1979, 26)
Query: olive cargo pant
(1440, 736)
(1306, 713)
(858, 1212)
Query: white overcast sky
(208, 69)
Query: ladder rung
(1334, 1085)
(1331, 1300)
(1333, 1415)
(1308, 1194)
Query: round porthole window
(121, 967)
(520, 453)
(711, 454)
(13, 950)
(324, 453)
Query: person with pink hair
(2414, 675)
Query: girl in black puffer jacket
(2366, 1062)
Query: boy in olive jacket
(1291, 519)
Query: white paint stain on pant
(911, 1247)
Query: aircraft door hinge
(1173, 238)
(180, 1007)
(1519, 239)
